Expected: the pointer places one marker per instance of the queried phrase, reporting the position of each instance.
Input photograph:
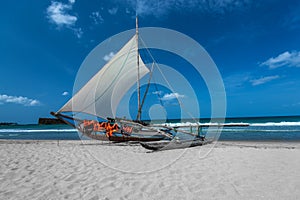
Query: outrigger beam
(61, 117)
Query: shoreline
(100, 141)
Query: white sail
(101, 95)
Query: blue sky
(255, 45)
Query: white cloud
(78, 32)
(57, 13)
(289, 59)
(18, 100)
(236, 81)
(109, 56)
(157, 8)
(65, 93)
(33, 102)
(113, 11)
(158, 92)
(263, 80)
(171, 96)
(96, 17)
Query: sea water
(260, 128)
(264, 128)
(39, 132)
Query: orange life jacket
(111, 128)
(85, 123)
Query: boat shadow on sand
(133, 143)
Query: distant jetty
(50, 121)
(8, 123)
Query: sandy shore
(97, 170)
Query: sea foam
(276, 124)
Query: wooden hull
(167, 145)
(96, 136)
(146, 136)
(124, 138)
(133, 138)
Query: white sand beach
(97, 170)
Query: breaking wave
(234, 124)
(276, 124)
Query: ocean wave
(13, 135)
(35, 130)
(182, 124)
(276, 124)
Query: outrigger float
(199, 139)
(174, 144)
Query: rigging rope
(169, 85)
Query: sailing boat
(106, 89)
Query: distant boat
(117, 76)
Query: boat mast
(138, 117)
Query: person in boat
(99, 126)
(111, 127)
